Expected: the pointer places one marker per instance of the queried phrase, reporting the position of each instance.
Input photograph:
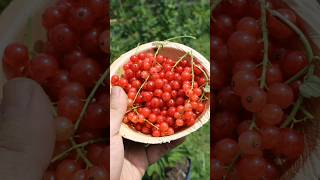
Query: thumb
(118, 106)
(26, 130)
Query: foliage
(3, 4)
(142, 21)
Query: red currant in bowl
(170, 98)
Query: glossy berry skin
(86, 72)
(254, 99)
(98, 7)
(104, 41)
(73, 89)
(244, 65)
(291, 143)
(51, 17)
(243, 80)
(228, 100)
(223, 125)
(64, 129)
(226, 150)
(43, 67)
(62, 38)
(271, 114)
(279, 29)
(274, 74)
(239, 43)
(223, 26)
(293, 62)
(280, 94)
(220, 77)
(249, 25)
(72, 58)
(81, 18)
(251, 167)
(66, 169)
(270, 137)
(96, 173)
(90, 42)
(96, 117)
(70, 107)
(250, 142)
(218, 169)
(16, 55)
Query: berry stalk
(81, 154)
(192, 71)
(144, 83)
(82, 145)
(265, 37)
(310, 69)
(90, 97)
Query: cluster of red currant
(257, 62)
(68, 66)
(164, 95)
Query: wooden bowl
(174, 51)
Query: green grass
(142, 21)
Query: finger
(27, 135)
(118, 106)
(155, 152)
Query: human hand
(26, 134)
(129, 161)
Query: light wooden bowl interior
(173, 51)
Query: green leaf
(311, 87)
(207, 88)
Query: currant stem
(90, 97)
(179, 60)
(151, 124)
(311, 67)
(297, 76)
(192, 71)
(84, 144)
(145, 81)
(204, 73)
(265, 37)
(132, 109)
(231, 166)
(307, 113)
(253, 123)
(81, 154)
(293, 113)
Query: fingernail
(115, 91)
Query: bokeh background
(142, 21)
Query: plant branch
(81, 154)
